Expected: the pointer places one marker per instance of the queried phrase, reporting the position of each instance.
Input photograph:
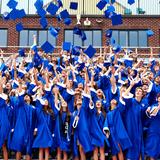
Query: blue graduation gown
(64, 132)
(81, 132)
(22, 138)
(118, 134)
(45, 127)
(133, 124)
(4, 121)
(152, 138)
(98, 138)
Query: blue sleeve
(85, 103)
(94, 96)
(128, 101)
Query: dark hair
(48, 110)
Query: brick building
(131, 34)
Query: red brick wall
(134, 22)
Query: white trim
(71, 92)
(12, 130)
(58, 108)
(22, 93)
(93, 90)
(91, 106)
(22, 71)
(16, 82)
(121, 100)
(87, 95)
(41, 101)
(36, 129)
(106, 129)
(3, 96)
(47, 89)
(148, 113)
(130, 95)
(75, 123)
(121, 82)
(150, 87)
(61, 84)
(114, 92)
(35, 88)
(152, 111)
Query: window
(94, 37)
(3, 39)
(130, 38)
(26, 37)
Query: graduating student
(98, 139)
(115, 130)
(45, 129)
(133, 122)
(152, 138)
(81, 123)
(4, 122)
(22, 137)
(63, 128)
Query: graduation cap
(77, 31)
(109, 14)
(128, 62)
(76, 50)
(107, 64)
(101, 4)
(60, 4)
(64, 14)
(111, 8)
(21, 13)
(113, 1)
(150, 33)
(109, 33)
(74, 5)
(15, 13)
(66, 46)
(34, 48)
(43, 22)
(12, 4)
(90, 51)
(117, 19)
(67, 21)
(37, 60)
(21, 52)
(3, 67)
(131, 2)
(52, 9)
(58, 29)
(83, 36)
(15, 84)
(21, 73)
(117, 49)
(53, 31)
(38, 4)
(41, 12)
(47, 47)
(58, 18)
(29, 66)
(6, 16)
(81, 67)
(19, 27)
(112, 41)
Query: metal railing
(140, 51)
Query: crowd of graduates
(75, 105)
